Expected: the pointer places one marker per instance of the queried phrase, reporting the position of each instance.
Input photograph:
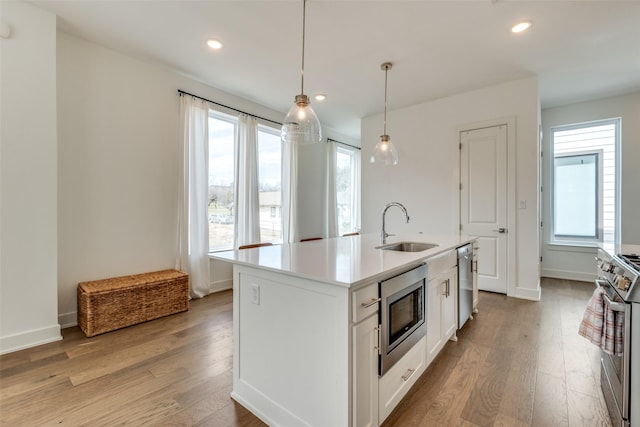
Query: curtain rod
(344, 143)
(182, 92)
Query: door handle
(501, 230)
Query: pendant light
(385, 152)
(301, 125)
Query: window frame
(579, 241)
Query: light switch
(523, 204)
(255, 294)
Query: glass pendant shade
(301, 125)
(385, 152)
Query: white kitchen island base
(307, 331)
(291, 349)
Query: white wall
(427, 178)
(28, 284)
(577, 263)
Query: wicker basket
(109, 304)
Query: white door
(483, 201)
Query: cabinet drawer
(365, 302)
(399, 379)
(442, 263)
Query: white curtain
(193, 227)
(355, 192)
(247, 203)
(331, 203)
(290, 232)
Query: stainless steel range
(619, 276)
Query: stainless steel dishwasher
(465, 283)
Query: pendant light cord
(386, 70)
(304, 6)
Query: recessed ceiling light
(521, 26)
(214, 44)
(321, 97)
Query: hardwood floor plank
(520, 388)
(450, 401)
(550, 407)
(587, 411)
(482, 406)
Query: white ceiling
(579, 50)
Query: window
(585, 177)
(222, 134)
(347, 185)
(270, 183)
(223, 129)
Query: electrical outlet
(255, 294)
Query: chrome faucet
(384, 234)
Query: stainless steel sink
(407, 246)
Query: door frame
(510, 123)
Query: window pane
(221, 185)
(345, 181)
(270, 180)
(576, 196)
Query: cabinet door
(434, 332)
(449, 307)
(365, 372)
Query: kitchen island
(306, 334)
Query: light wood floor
(518, 363)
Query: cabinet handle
(378, 347)
(406, 376)
(370, 303)
(474, 265)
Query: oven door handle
(615, 306)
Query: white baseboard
(221, 285)
(67, 320)
(29, 339)
(568, 275)
(530, 294)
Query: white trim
(221, 285)
(529, 294)
(30, 339)
(568, 275)
(68, 320)
(512, 249)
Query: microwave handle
(615, 306)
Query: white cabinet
(442, 307)
(365, 356)
(397, 381)
(365, 372)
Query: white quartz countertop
(344, 261)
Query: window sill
(584, 247)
